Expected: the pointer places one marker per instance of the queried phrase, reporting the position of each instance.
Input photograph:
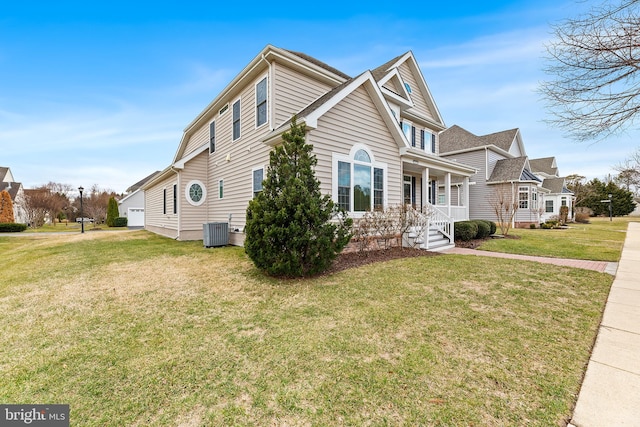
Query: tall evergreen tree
(292, 229)
(112, 211)
(6, 207)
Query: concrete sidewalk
(610, 393)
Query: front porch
(439, 187)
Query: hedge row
(474, 229)
(12, 227)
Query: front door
(407, 190)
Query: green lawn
(601, 240)
(132, 329)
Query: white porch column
(425, 187)
(465, 195)
(447, 192)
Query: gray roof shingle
(544, 165)
(456, 138)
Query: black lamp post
(81, 189)
(610, 208)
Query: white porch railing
(458, 213)
(440, 221)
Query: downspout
(177, 199)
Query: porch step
(437, 241)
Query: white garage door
(136, 217)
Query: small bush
(582, 218)
(465, 230)
(484, 229)
(12, 227)
(532, 226)
(120, 221)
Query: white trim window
(261, 102)
(523, 197)
(359, 182)
(548, 206)
(221, 189)
(257, 177)
(195, 192)
(236, 120)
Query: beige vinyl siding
(356, 120)
(392, 85)
(192, 217)
(292, 92)
(200, 137)
(243, 154)
(420, 103)
(155, 220)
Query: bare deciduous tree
(629, 173)
(505, 206)
(595, 64)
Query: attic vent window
(223, 109)
(408, 87)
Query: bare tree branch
(594, 62)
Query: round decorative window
(195, 192)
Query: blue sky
(99, 93)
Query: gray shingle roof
(381, 71)
(544, 165)
(140, 183)
(11, 187)
(456, 138)
(508, 170)
(556, 185)
(319, 63)
(3, 172)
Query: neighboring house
(16, 191)
(132, 205)
(556, 192)
(375, 137)
(503, 169)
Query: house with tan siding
(375, 137)
(503, 169)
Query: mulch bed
(355, 259)
(348, 260)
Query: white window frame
(523, 190)
(266, 101)
(350, 158)
(187, 194)
(233, 136)
(221, 189)
(546, 206)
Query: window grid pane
(236, 120)
(344, 185)
(261, 102)
(361, 188)
(378, 189)
(258, 177)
